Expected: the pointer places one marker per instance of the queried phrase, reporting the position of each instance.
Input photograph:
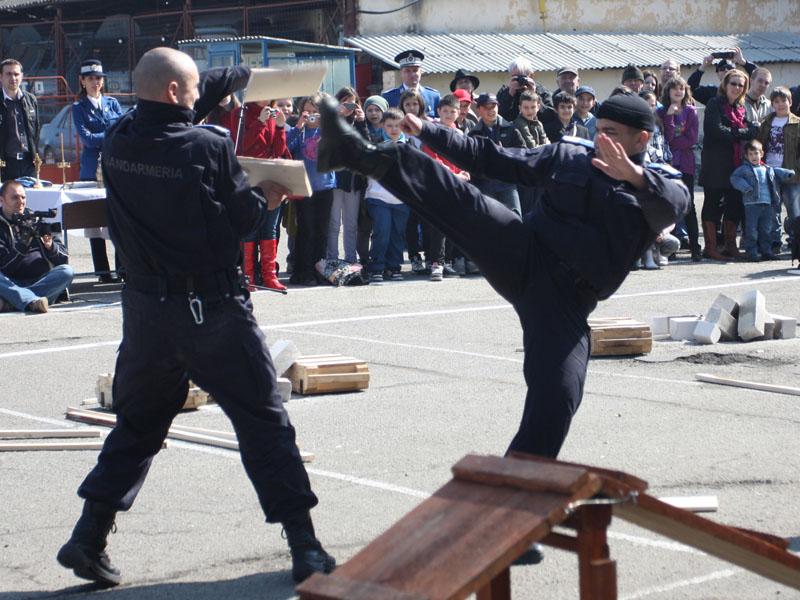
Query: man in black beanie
(633, 78)
(601, 207)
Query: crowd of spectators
(748, 167)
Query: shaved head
(166, 75)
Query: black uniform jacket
(178, 200)
(595, 225)
(30, 109)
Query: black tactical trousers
(162, 348)
(552, 303)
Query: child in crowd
(314, 212)
(349, 186)
(585, 98)
(389, 215)
(526, 122)
(411, 102)
(681, 126)
(657, 148)
(374, 107)
(564, 105)
(435, 243)
(760, 188)
(780, 136)
(264, 136)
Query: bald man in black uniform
(178, 206)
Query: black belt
(219, 284)
(19, 156)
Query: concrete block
(706, 333)
(785, 327)
(726, 303)
(726, 323)
(660, 325)
(285, 389)
(284, 354)
(752, 315)
(682, 328)
(769, 328)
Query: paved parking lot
(446, 380)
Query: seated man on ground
(33, 262)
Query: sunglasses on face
(350, 105)
(736, 84)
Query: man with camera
(521, 79)
(722, 64)
(33, 262)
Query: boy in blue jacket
(760, 187)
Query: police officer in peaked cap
(410, 63)
(178, 206)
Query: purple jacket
(681, 130)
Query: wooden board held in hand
(326, 373)
(620, 337)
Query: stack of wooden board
(620, 336)
(325, 373)
(103, 390)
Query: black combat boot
(342, 147)
(308, 556)
(532, 556)
(84, 553)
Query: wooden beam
(695, 504)
(731, 545)
(35, 446)
(750, 385)
(197, 435)
(25, 434)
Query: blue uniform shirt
(91, 124)
(430, 95)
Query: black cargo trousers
(552, 304)
(162, 348)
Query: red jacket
(261, 140)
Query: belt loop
(162, 288)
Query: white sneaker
(40, 305)
(437, 272)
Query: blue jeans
(506, 194)
(388, 235)
(790, 195)
(269, 229)
(20, 294)
(758, 219)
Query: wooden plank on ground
(24, 434)
(207, 437)
(51, 446)
(525, 475)
(620, 337)
(747, 551)
(333, 587)
(750, 385)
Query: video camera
(723, 55)
(523, 80)
(33, 222)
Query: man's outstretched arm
(480, 156)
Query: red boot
(269, 251)
(249, 264)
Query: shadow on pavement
(263, 586)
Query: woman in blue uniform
(92, 114)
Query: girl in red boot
(264, 137)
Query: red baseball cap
(463, 95)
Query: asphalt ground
(446, 380)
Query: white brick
(660, 325)
(284, 354)
(785, 327)
(752, 315)
(726, 303)
(706, 333)
(285, 389)
(682, 328)
(726, 323)
(769, 328)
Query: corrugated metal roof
(492, 52)
(246, 38)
